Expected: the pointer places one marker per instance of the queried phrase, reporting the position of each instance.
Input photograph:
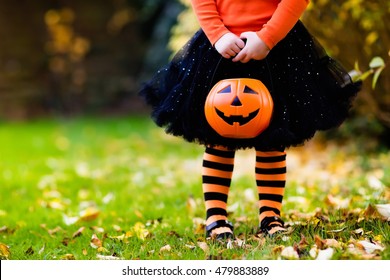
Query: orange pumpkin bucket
(239, 108)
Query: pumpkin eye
(249, 90)
(227, 89)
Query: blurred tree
(355, 31)
(67, 57)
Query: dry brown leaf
(5, 253)
(278, 249)
(320, 243)
(95, 242)
(54, 230)
(337, 202)
(369, 247)
(302, 243)
(98, 229)
(203, 246)
(4, 229)
(78, 232)
(166, 248)
(333, 243)
(360, 252)
(370, 210)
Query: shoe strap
(218, 224)
(266, 223)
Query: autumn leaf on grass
(369, 247)
(89, 214)
(5, 253)
(337, 202)
(326, 243)
(140, 231)
(166, 248)
(384, 210)
(289, 253)
(199, 224)
(108, 258)
(365, 249)
(69, 257)
(78, 232)
(326, 254)
(203, 246)
(121, 237)
(95, 242)
(69, 220)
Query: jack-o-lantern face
(239, 108)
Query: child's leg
(218, 164)
(270, 180)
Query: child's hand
(255, 48)
(229, 45)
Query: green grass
(142, 189)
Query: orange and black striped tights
(217, 171)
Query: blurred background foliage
(80, 57)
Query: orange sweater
(270, 19)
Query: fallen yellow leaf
(89, 214)
(68, 257)
(102, 250)
(140, 231)
(118, 237)
(5, 253)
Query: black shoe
(218, 224)
(269, 223)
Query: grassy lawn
(119, 188)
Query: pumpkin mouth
(241, 120)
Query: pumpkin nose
(236, 102)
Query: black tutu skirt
(310, 91)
